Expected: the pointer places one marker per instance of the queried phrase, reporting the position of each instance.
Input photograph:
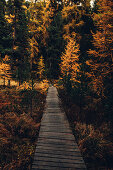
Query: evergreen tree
(35, 24)
(55, 46)
(85, 45)
(5, 32)
(101, 61)
(20, 56)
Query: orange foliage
(18, 130)
(71, 15)
(102, 57)
(69, 64)
(5, 68)
(47, 16)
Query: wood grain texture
(56, 147)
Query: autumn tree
(5, 71)
(69, 64)
(70, 57)
(101, 61)
(41, 68)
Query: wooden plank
(60, 136)
(58, 164)
(55, 130)
(52, 120)
(51, 158)
(63, 125)
(50, 127)
(60, 155)
(55, 127)
(35, 167)
(67, 142)
(53, 147)
(57, 134)
(56, 146)
(54, 114)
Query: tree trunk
(32, 84)
(4, 82)
(8, 82)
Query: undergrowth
(95, 140)
(21, 111)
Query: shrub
(93, 145)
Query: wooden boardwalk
(56, 148)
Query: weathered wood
(57, 164)
(58, 152)
(54, 168)
(58, 159)
(60, 142)
(56, 147)
(59, 155)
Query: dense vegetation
(68, 41)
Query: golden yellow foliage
(42, 86)
(102, 57)
(69, 59)
(4, 70)
(41, 67)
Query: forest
(67, 43)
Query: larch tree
(41, 68)
(101, 61)
(73, 23)
(69, 64)
(70, 57)
(5, 70)
(78, 21)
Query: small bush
(18, 128)
(93, 145)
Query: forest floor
(94, 141)
(21, 110)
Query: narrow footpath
(56, 147)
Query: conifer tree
(35, 24)
(85, 44)
(78, 21)
(101, 61)
(69, 64)
(41, 68)
(5, 32)
(20, 56)
(55, 46)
